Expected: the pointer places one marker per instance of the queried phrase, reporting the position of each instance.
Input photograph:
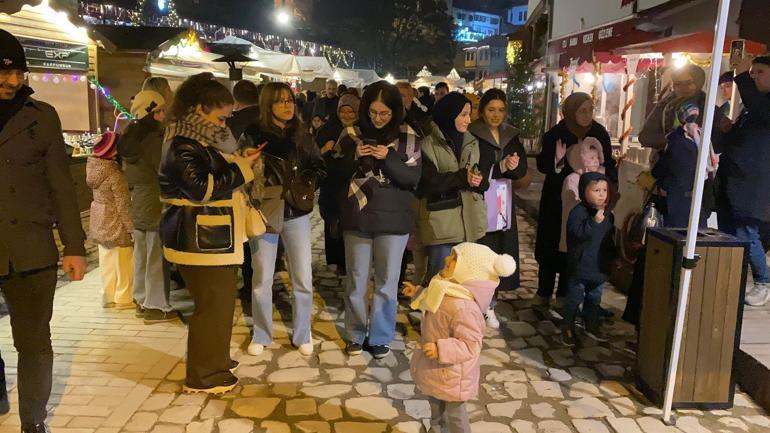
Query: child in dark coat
(588, 227)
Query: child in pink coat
(446, 367)
(584, 157)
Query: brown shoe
(158, 316)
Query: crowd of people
(206, 181)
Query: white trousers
(117, 268)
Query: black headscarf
(444, 114)
(8, 109)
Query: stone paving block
(326, 391)
(489, 427)
(85, 422)
(254, 407)
(331, 409)
(165, 428)
(179, 414)
(365, 389)
(587, 407)
(624, 405)
(552, 426)
(547, 389)
(346, 375)
(583, 389)
(275, 427)
(505, 410)
(214, 409)
(758, 420)
(314, 426)
(690, 424)
(141, 422)
(407, 427)
(300, 407)
(542, 410)
(301, 374)
(200, 427)
(624, 425)
(734, 423)
(401, 391)
(373, 408)
(589, 426)
(655, 425)
(522, 426)
(236, 425)
(190, 400)
(360, 427)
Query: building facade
(517, 15)
(473, 26)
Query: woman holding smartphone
(382, 158)
(293, 168)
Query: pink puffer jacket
(457, 328)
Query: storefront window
(68, 93)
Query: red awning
(581, 47)
(702, 42)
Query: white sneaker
(758, 295)
(492, 321)
(306, 349)
(255, 349)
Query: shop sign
(55, 55)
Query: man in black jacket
(744, 172)
(37, 192)
(246, 95)
(326, 107)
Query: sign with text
(55, 55)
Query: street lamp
(235, 73)
(282, 17)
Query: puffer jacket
(445, 179)
(140, 149)
(377, 195)
(457, 329)
(110, 223)
(282, 154)
(204, 219)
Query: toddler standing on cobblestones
(111, 226)
(446, 368)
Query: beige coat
(111, 224)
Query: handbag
(499, 201)
(299, 189)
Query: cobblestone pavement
(114, 374)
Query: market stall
(63, 72)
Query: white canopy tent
(348, 77)
(368, 76)
(314, 67)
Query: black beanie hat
(762, 60)
(11, 52)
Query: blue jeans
(297, 242)
(386, 251)
(436, 255)
(151, 283)
(586, 292)
(747, 230)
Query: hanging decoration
(563, 85)
(597, 73)
(97, 13)
(101, 89)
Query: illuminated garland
(110, 99)
(114, 15)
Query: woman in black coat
(501, 149)
(335, 185)
(578, 123)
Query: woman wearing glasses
(382, 159)
(293, 168)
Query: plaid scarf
(199, 129)
(367, 178)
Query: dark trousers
(213, 290)
(30, 302)
(588, 293)
(547, 276)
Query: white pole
(697, 198)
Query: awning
(701, 42)
(580, 47)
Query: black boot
(35, 428)
(5, 406)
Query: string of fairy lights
(100, 13)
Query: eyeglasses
(284, 102)
(8, 73)
(385, 115)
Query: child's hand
(430, 350)
(599, 218)
(409, 289)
